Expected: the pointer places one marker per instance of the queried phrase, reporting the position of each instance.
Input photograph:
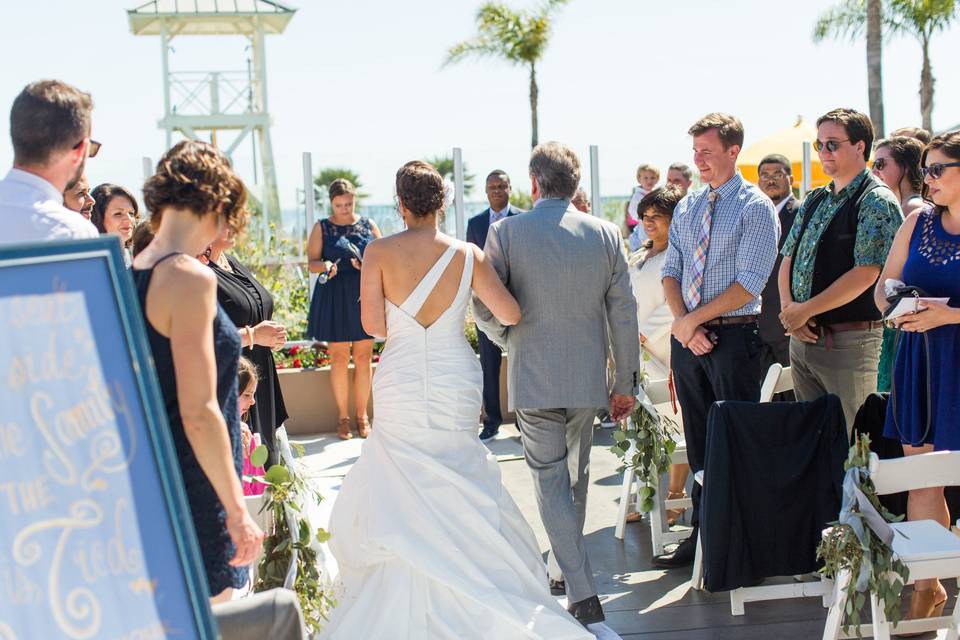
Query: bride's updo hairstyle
(420, 188)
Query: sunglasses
(829, 145)
(935, 171)
(92, 150)
(879, 164)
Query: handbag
(899, 293)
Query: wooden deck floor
(645, 603)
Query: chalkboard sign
(96, 539)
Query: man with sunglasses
(50, 130)
(831, 261)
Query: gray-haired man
(568, 271)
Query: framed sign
(96, 539)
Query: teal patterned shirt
(880, 217)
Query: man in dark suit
(498, 195)
(776, 180)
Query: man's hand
(683, 329)
(621, 406)
(794, 316)
(700, 344)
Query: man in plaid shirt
(723, 245)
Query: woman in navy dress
(926, 254)
(196, 350)
(335, 308)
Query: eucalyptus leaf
(277, 474)
(258, 457)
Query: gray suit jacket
(568, 271)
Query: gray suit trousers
(557, 443)
(273, 614)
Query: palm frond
(845, 20)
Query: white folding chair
(657, 392)
(777, 380)
(924, 546)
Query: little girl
(248, 388)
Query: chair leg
(954, 628)
(696, 578)
(626, 492)
(736, 602)
(881, 626)
(831, 630)
(658, 517)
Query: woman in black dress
(196, 351)
(250, 307)
(335, 308)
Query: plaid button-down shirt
(743, 243)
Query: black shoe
(605, 420)
(558, 587)
(488, 433)
(682, 556)
(587, 611)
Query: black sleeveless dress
(206, 510)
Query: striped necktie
(700, 255)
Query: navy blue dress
(335, 308)
(206, 510)
(933, 264)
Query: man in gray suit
(568, 271)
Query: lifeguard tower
(219, 101)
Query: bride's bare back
(394, 266)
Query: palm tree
(328, 175)
(918, 18)
(874, 64)
(519, 37)
(444, 166)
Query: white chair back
(777, 380)
(936, 469)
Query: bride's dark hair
(420, 188)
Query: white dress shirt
(499, 215)
(31, 210)
(780, 205)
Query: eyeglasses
(935, 171)
(879, 164)
(829, 145)
(92, 150)
(772, 177)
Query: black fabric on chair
(772, 482)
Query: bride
(428, 541)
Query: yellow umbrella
(787, 142)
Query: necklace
(223, 263)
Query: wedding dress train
(428, 541)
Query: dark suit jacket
(771, 331)
(479, 225)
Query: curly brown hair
(198, 177)
(420, 188)
(906, 152)
(341, 187)
(663, 201)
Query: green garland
(652, 440)
(841, 549)
(287, 488)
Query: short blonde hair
(646, 167)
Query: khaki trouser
(848, 369)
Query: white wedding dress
(428, 541)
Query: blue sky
(359, 82)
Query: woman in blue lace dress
(196, 351)
(926, 254)
(334, 317)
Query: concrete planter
(309, 399)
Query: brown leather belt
(727, 320)
(828, 330)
